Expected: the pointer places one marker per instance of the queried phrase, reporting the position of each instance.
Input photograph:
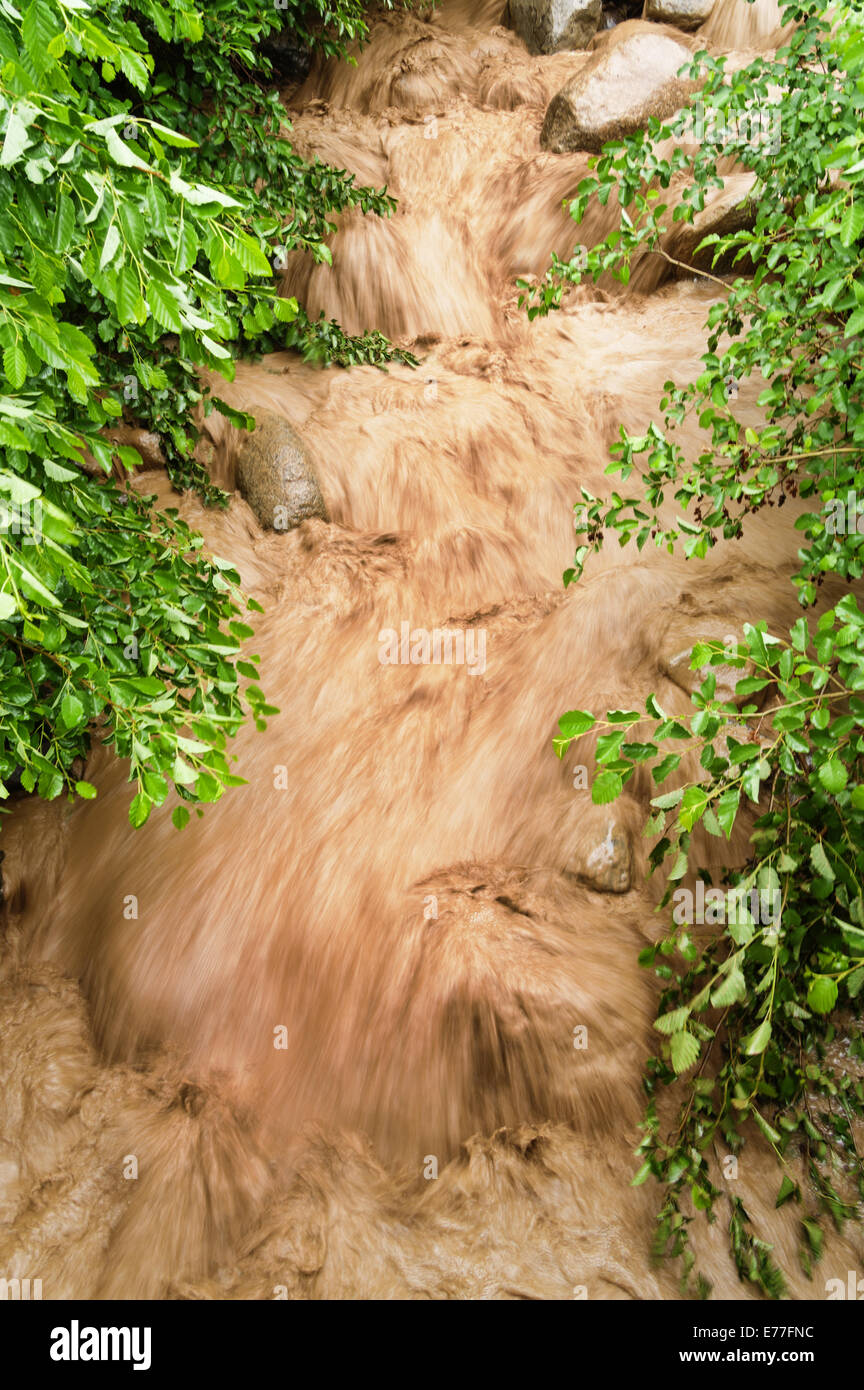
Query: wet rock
(277, 476)
(614, 14)
(606, 866)
(617, 92)
(684, 14)
(626, 28)
(291, 60)
(550, 26)
(147, 443)
(731, 209)
(676, 654)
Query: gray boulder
(277, 476)
(550, 26)
(617, 92)
(606, 865)
(684, 14)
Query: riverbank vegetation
(760, 1018)
(148, 197)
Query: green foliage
(749, 1011)
(147, 190)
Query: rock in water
(549, 26)
(618, 91)
(291, 60)
(684, 14)
(607, 865)
(276, 475)
(731, 209)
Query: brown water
(405, 895)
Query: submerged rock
(617, 92)
(277, 476)
(684, 14)
(676, 651)
(550, 26)
(607, 866)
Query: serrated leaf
(163, 306)
(606, 787)
(121, 153)
(757, 1041)
(15, 365)
(16, 140)
(822, 994)
(575, 723)
(72, 711)
(833, 776)
(110, 246)
(684, 1050)
(63, 225)
(130, 304)
(139, 809)
(819, 860)
(852, 224)
(673, 1022)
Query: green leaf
(121, 153)
(727, 808)
(852, 224)
(575, 723)
(673, 1022)
(64, 224)
(173, 137)
(163, 306)
(684, 1050)
(110, 246)
(72, 710)
(822, 994)
(819, 860)
(15, 365)
(606, 787)
(139, 809)
(758, 1040)
(130, 304)
(788, 1189)
(833, 776)
(16, 140)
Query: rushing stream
(323, 1044)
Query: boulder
(147, 443)
(617, 92)
(277, 476)
(730, 209)
(550, 26)
(607, 864)
(619, 33)
(684, 14)
(676, 650)
(291, 60)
